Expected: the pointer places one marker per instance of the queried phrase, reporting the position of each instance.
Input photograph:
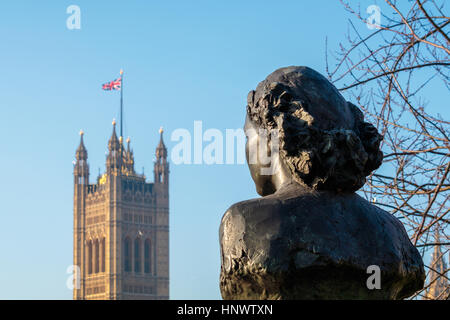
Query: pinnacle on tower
(128, 144)
(161, 168)
(81, 168)
(129, 158)
(114, 160)
(439, 286)
(81, 153)
(129, 152)
(113, 143)
(161, 150)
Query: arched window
(103, 255)
(89, 259)
(147, 255)
(137, 255)
(97, 256)
(127, 254)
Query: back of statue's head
(324, 141)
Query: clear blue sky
(183, 61)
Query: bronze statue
(311, 236)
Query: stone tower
(439, 286)
(121, 226)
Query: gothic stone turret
(439, 285)
(121, 227)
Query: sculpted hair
(324, 157)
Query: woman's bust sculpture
(310, 236)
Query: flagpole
(121, 103)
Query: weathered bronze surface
(310, 236)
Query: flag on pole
(117, 85)
(113, 85)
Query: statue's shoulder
(254, 205)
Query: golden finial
(114, 122)
(161, 130)
(128, 140)
(121, 72)
(120, 139)
(81, 132)
(102, 179)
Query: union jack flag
(113, 85)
